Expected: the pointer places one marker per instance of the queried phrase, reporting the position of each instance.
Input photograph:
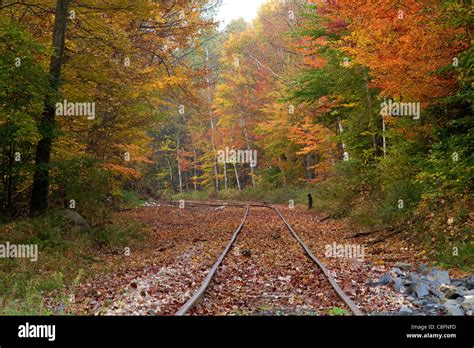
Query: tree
(39, 193)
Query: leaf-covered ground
(265, 273)
(356, 277)
(161, 276)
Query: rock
(468, 303)
(404, 266)
(432, 304)
(445, 288)
(386, 279)
(421, 303)
(466, 293)
(77, 219)
(398, 271)
(433, 283)
(413, 277)
(409, 291)
(439, 276)
(436, 292)
(405, 310)
(422, 268)
(427, 303)
(453, 309)
(452, 294)
(421, 290)
(457, 282)
(460, 300)
(397, 285)
(470, 283)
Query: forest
(112, 111)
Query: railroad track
(200, 292)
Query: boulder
(421, 290)
(468, 303)
(386, 279)
(452, 294)
(405, 310)
(436, 292)
(466, 293)
(457, 282)
(413, 277)
(452, 308)
(76, 219)
(470, 283)
(397, 271)
(422, 268)
(441, 277)
(397, 285)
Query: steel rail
(352, 306)
(205, 283)
(225, 204)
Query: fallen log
(325, 218)
(367, 232)
(383, 238)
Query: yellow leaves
(117, 169)
(349, 105)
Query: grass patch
(460, 256)
(131, 198)
(274, 196)
(66, 255)
(336, 311)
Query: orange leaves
(403, 43)
(315, 139)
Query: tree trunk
(195, 170)
(252, 171)
(9, 184)
(214, 149)
(225, 176)
(237, 177)
(186, 181)
(39, 194)
(211, 119)
(384, 139)
(371, 114)
(171, 174)
(225, 172)
(179, 167)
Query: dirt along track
(267, 273)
